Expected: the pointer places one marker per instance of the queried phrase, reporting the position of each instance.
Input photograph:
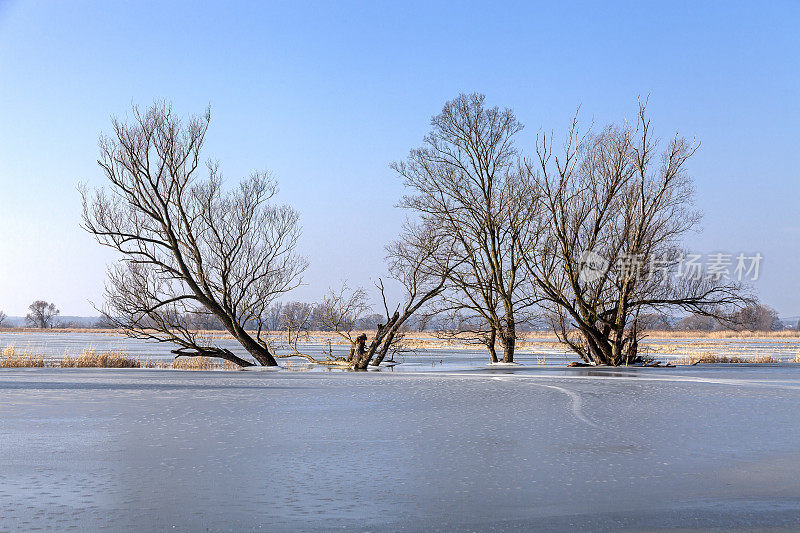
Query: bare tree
(698, 322)
(297, 314)
(756, 317)
(201, 319)
(42, 314)
(654, 322)
(188, 243)
(423, 322)
(462, 324)
(369, 321)
(420, 262)
(464, 182)
(3, 317)
(272, 320)
(340, 310)
(613, 212)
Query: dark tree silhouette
(464, 183)
(188, 243)
(613, 210)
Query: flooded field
(433, 355)
(534, 448)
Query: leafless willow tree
(420, 261)
(341, 312)
(613, 211)
(464, 181)
(42, 315)
(3, 317)
(189, 244)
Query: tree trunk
(259, 353)
(509, 344)
(490, 344)
(220, 353)
(600, 350)
(508, 338)
(387, 343)
(386, 336)
(360, 360)
(631, 354)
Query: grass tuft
(13, 358)
(724, 359)
(93, 359)
(202, 363)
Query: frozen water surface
(714, 447)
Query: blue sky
(327, 94)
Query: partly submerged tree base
(329, 361)
(640, 363)
(219, 353)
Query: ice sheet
(490, 448)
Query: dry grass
(725, 334)
(13, 358)
(202, 363)
(724, 359)
(99, 331)
(94, 359)
(421, 340)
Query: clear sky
(327, 94)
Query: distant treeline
(283, 315)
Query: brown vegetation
(94, 359)
(190, 246)
(11, 358)
(200, 363)
(724, 359)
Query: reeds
(94, 359)
(202, 363)
(725, 334)
(724, 359)
(13, 358)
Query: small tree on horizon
(42, 314)
(756, 317)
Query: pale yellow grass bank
(12, 357)
(725, 359)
